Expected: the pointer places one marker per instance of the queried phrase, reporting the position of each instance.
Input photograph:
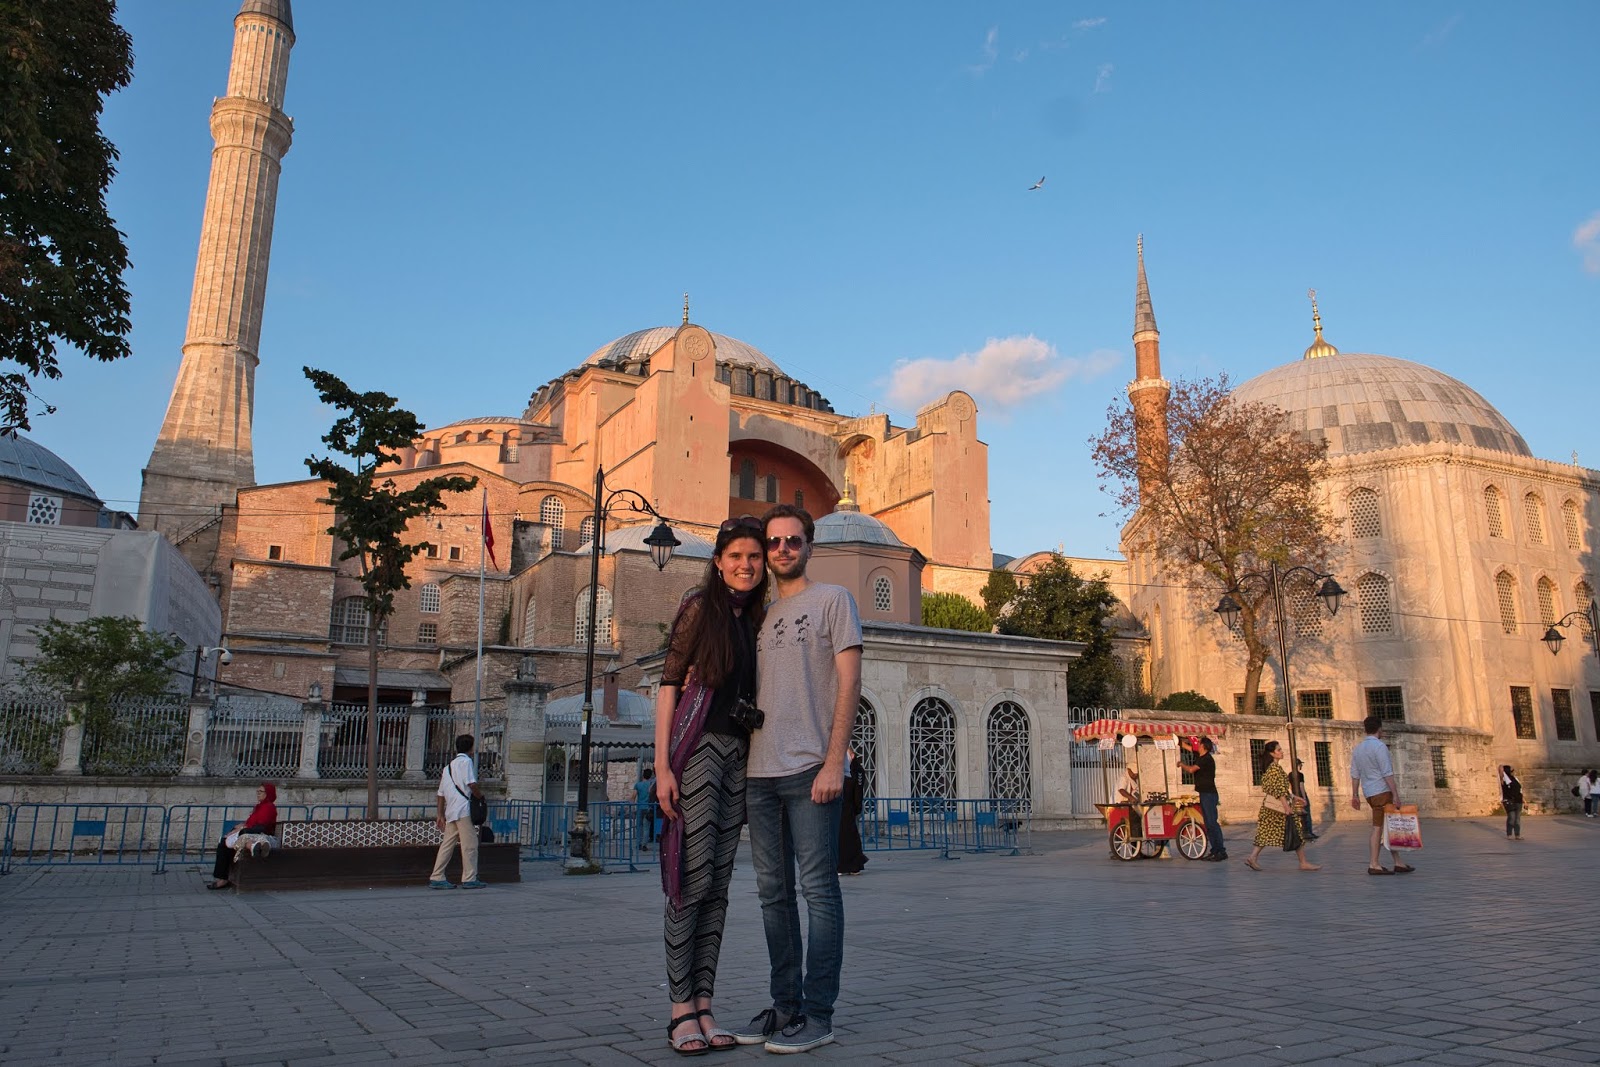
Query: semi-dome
(852, 527)
(640, 343)
(26, 461)
(1365, 403)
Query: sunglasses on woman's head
(748, 522)
(795, 542)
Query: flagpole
(477, 698)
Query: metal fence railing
(446, 724)
(254, 736)
(342, 749)
(30, 735)
(92, 834)
(194, 830)
(136, 737)
(890, 824)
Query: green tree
(952, 611)
(998, 591)
(1189, 700)
(61, 256)
(1055, 603)
(371, 517)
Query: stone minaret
(1148, 391)
(203, 453)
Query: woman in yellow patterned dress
(1271, 823)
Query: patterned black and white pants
(711, 803)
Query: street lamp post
(661, 541)
(1553, 637)
(203, 652)
(1229, 609)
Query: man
(644, 806)
(1204, 769)
(457, 785)
(808, 661)
(1372, 776)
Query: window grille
(1561, 704)
(933, 749)
(1010, 777)
(1547, 601)
(602, 626)
(1261, 703)
(1491, 511)
(1324, 760)
(528, 620)
(1364, 520)
(428, 599)
(1583, 593)
(586, 530)
(44, 510)
(1506, 589)
(864, 739)
(350, 620)
(1441, 773)
(1315, 704)
(553, 513)
(1305, 610)
(1569, 521)
(1387, 702)
(882, 593)
(799, 498)
(772, 489)
(1372, 594)
(428, 633)
(1533, 509)
(1258, 759)
(1522, 713)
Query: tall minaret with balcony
(203, 454)
(1148, 391)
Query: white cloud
(991, 52)
(1102, 78)
(1439, 33)
(1586, 239)
(1089, 24)
(1005, 373)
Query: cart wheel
(1151, 849)
(1123, 844)
(1192, 844)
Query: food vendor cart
(1142, 826)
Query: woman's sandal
(222, 885)
(680, 1042)
(1379, 870)
(1252, 866)
(719, 1039)
(1403, 868)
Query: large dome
(640, 343)
(1365, 403)
(27, 461)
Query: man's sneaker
(762, 1027)
(801, 1035)
(441, 885)
(474, 884)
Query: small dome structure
(640, 343)
(632, 709)
(30, 463)
(852, 527)
(631, 539)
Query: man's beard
(795, 569)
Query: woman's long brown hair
(710, 618)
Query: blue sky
(479, 195)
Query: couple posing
(734, 742)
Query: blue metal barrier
(87, 834)
(194, 830)
(619, 836)
(895, 824)
(5, 839)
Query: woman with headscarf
(1511, 797)
(1272, 825)
(263, 819)
(705, 710)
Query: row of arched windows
(932, 736)
(1505, 588)
(1533, 517)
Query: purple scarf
(688, 723)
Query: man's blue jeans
(791, 834)
(1208, 809)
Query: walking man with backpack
(457, 786)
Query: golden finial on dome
(1318, 348)
(686, 309)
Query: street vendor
(1128, 791)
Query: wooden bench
(354, 854)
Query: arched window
(864, 739)
(428, 598)
(1364, 520)
(747, 479)
(586, 530)
(528, 620)
(350, 621)
(1305, 609)
(1372, 594)
(553, 513)
(1505, 588)
(1569, 522)
(1533, 509)
(1583, 594)
(882, 593)
(602, 626)
(772, 489)
(933, 749)
(1009, 775)
(1492, 512)
(1547, 601)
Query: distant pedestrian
(1511, 797)
(1297, 785)
(1372, 777)
(1273, 827)
(1587, 793)
(457, 786)
(852, 857)
(1204, 769)
(644, 805)
(262, 820)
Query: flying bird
(1036, 185)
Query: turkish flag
(488, 532)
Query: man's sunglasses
(794, 542)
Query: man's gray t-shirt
(796, 680)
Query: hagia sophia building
(1459, 548)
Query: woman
(1302, 798)
(704, 714)
(1511, 797)
(263, 819)
(1271, 824)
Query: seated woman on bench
(263, 819)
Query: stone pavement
(1487, 955)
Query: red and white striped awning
(1113, 727)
